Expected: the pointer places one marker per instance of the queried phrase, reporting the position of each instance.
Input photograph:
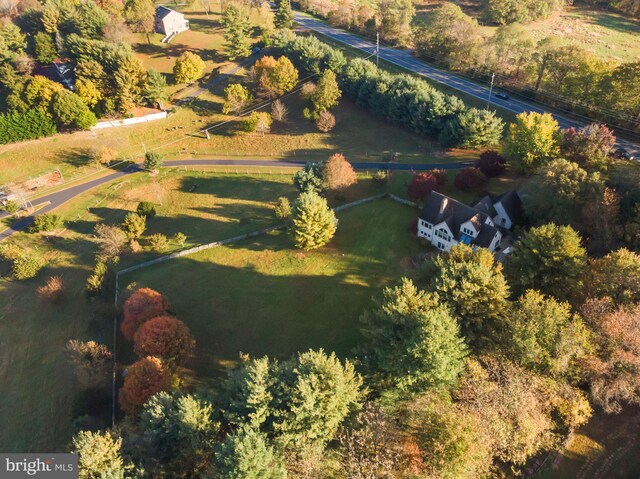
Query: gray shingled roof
(486, 206)
(487, 233)
(162, 12)
(511, 203)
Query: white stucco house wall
(169, 22)
(445, 222)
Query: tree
(158, 242)
(471, 283)
(275, 77)
(111, 240)
(44, 47)
(248, 393)
(615, 276)
(472, 128)
(235, 22)
(52, 291)
(134, 225)
(153, 161)
(338, 173)
(471, 179)
(310, 178)
(93, 362)
(532, 141)
(236, 97)
(544, 335)
(40, 91)
(421, 185)
(99, 455)
(326, 121)
(165, 337)
(279, 111)
(46, 222)
(316, 394)
(412, 340)
(491, 164)
(313, 223)
(188, 68)
(258, 122)
(130, 81)
(283, 209)
(395, 19)
(284, 16)
(88, 92)
(69, 110)
(548, 258)
(140, 15)
(178, 434)
(589, 146)
(559, 192)
(156, 89)
(327, 92)
(144, 378)
(140, 307)
(613, 372)
(247, 454)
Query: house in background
(445, 222)
(170, 23)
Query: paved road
(405, 59)
(54, 200)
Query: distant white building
(445, 222)
(169, 22)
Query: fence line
(402, 200)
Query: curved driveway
(406, 60)
(54, 200)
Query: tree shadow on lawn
(612, 21)
(240, 187)
(204, 24)
(202, 107)
(76, 157)
(239, 309)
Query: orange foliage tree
(165, 337)
(338, 173)
(141, 306)
(145, 377)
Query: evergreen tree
(246, 454)
(235, 21)
(471, 283)
(178, 434)
(327, 92)
(156, 89)
(284, 16)
(310, 178)
(314, 223)
(98, 455)
(413, 341)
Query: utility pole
(377, 48)
(493, 76)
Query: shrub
(112, 240)
(152, 161)
(11, 207)
(134, 225)
(159, 242)
(441, 176)
(104, 155)
(279, 112)
(470, 179)
(27, 264)
(52, 291)
(326, 121)
(283, 209)
(141, 306)
(46, 222)
(180, 239)
(258, 122)
(421, 185)
(165, 337)
(492, 164)
(146, 209)
(100, 281)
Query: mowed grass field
(262, 296)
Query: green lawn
(262, 296)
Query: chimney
(443, 205)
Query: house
(445, 222)
(65, 72)
(169, 22)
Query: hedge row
(402, 99)
(25, 126)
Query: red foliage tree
(470, 179)
(145, 377)
(141, 306)
(492, 164)
(165, 337)
(421, 185)
(338, 173)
